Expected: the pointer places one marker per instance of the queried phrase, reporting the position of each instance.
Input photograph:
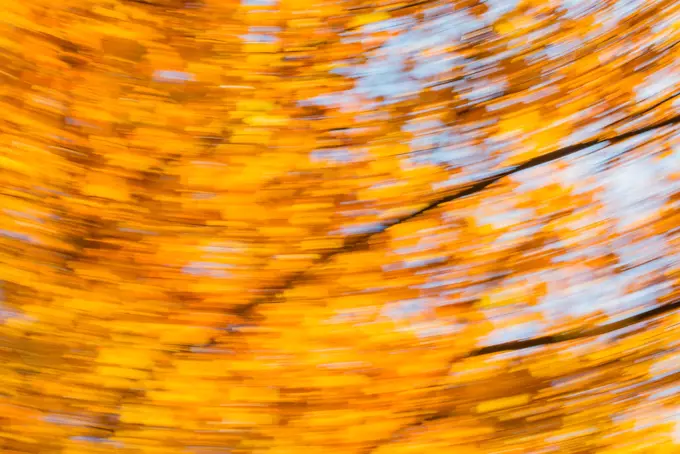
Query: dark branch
(354, 241)
(577, 334)
(411, 5)
(648, 109)
(530, 343)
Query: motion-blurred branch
(353, 242)
(526, 344)
(577, 333)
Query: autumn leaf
(502, 403)
(370, 18)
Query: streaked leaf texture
(249, 227)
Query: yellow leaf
(298, 4)
(522, 156)
(250, 139)
(128, 357)
(252, 394)
(150, 416)
(205, 73)
(108, 187)
(370, 18)
(254, 105)
(204, 369)
(112, 13)
(522, 122)
(265, 48)
(515, 24)
(16, 437)
(322, 244)
(122, 372)
(24, 168)
(178, 334)
(267, 120)
(502, 403)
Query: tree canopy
(266, 227)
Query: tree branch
(353, 242)
(530, 343)
(647, 110)
(578, 333)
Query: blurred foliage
(339, 226)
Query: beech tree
(266, 227)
